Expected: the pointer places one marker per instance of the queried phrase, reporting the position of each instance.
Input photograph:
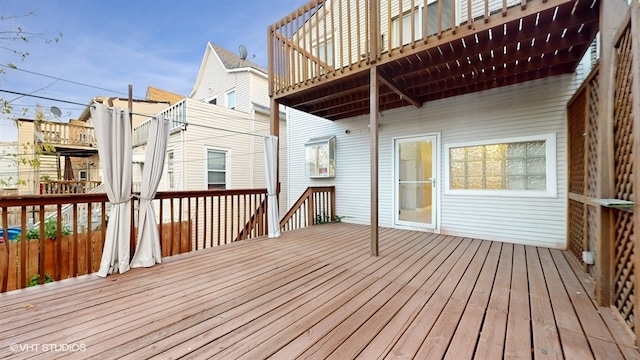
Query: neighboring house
(216, 133)
(56, 157)
(8, 168)
(156, 94)
(209, 147)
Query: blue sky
(120, 42)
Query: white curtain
(148, 252)
(113, 133)
(271, 172)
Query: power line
(61, 79)
(41, 97)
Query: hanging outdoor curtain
(148, 252)
(113, 134)
(271, 172)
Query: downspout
(252, 148)
(183, 147)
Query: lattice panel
(592, 134)
(623, 121)
(623, 132)
(624, 289)
(576, 228)
(577, 119)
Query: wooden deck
(317, 293)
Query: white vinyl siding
(216, 81)
(521, 110)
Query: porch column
(274, 129)
(611, 15)
(374, 119)
(274, 123)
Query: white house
(8, 167)
(217, 132)
(464, 147)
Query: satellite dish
(243, 52)
(56, 111)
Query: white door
(415, 182)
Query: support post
(635, 77)
(374, 120)
(611, 15)
(274, 129)
(374, 31)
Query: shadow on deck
(317, 293)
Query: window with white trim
(170, 169)
(510, 167)
(231, 99)
(216, 169)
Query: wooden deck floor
(316, 293)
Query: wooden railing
(315, 206)
(325, 38)
(65, 134)
(70, 246)
(67, 187)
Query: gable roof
(231, 60)
(157, 94)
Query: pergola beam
(394, 87)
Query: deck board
(317, 293)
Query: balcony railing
(71, 245)
(323, 56)
(67, 187)
(177, 114)
(326, 38)
(62, 134)
(316, 205)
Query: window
(432, 22)
(82, 175)
(406, 27)
(216, 169)
(231, 99)
(170, 169)
(324, 52)
(516, 167)
(320, 157)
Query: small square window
(320, 156)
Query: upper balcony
(320, 55)
(73, 140)
(177, 114)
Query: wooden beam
(635, 48)
(396, 89)
(611, 14)
(374, 120)
(374, 31)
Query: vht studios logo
(47, 347)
